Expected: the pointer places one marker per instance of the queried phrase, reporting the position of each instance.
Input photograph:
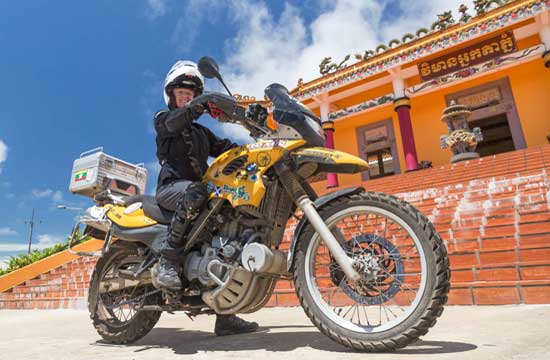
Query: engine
(198, 264)
(230, 265)
(232, 240)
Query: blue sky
(80, 74)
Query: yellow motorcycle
(370, 270)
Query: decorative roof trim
(496, 19)
(366, 105)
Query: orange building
(387, 108)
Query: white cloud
(234, 132)
(41, 193)
(40, 242)
(157, 8)
(3, 153)
(189, 24)
(151, 100)
(283, 49)
(4, 262)
(6, 231)
(153, 170)
(55, 195)
(47, 240)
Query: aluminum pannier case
(95, 171)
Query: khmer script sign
(483, 51)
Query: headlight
(315, 126)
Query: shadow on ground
(193, 341)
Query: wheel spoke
(382, 246)
(119, 303)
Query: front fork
(292, 184)
(345, 262)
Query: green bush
(22, 260)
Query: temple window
(377, 146)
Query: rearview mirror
(209, 68)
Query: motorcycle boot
(232, 325)
(194, 199)
(166, 273)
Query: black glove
(198, 104)
(181, 118)
(257, 113)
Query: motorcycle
(370, 270)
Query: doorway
(497, 137)
(494, 112)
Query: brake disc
(381, 267)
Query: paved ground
(503, 332)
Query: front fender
(329, 160)
(319, 204)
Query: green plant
(22, 260)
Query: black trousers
(168, 195)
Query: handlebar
(253, 118)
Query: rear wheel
(115, 315)
(404, 267)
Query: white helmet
(183, 74)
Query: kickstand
(190, 315)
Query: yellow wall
(530, 84)
(345, 139)
(531, 88)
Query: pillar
(544, 33)
(328, 127)
(402, 106)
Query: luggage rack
(104, 224)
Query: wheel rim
(390, 290)
(109, 301)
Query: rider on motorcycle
(183, 148)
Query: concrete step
(49, 294)
(59, 280)
(80, 303)
(23, 289)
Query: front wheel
(404, 267)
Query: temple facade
(387, 107)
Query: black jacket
(183, 146)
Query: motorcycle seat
(151, 208)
